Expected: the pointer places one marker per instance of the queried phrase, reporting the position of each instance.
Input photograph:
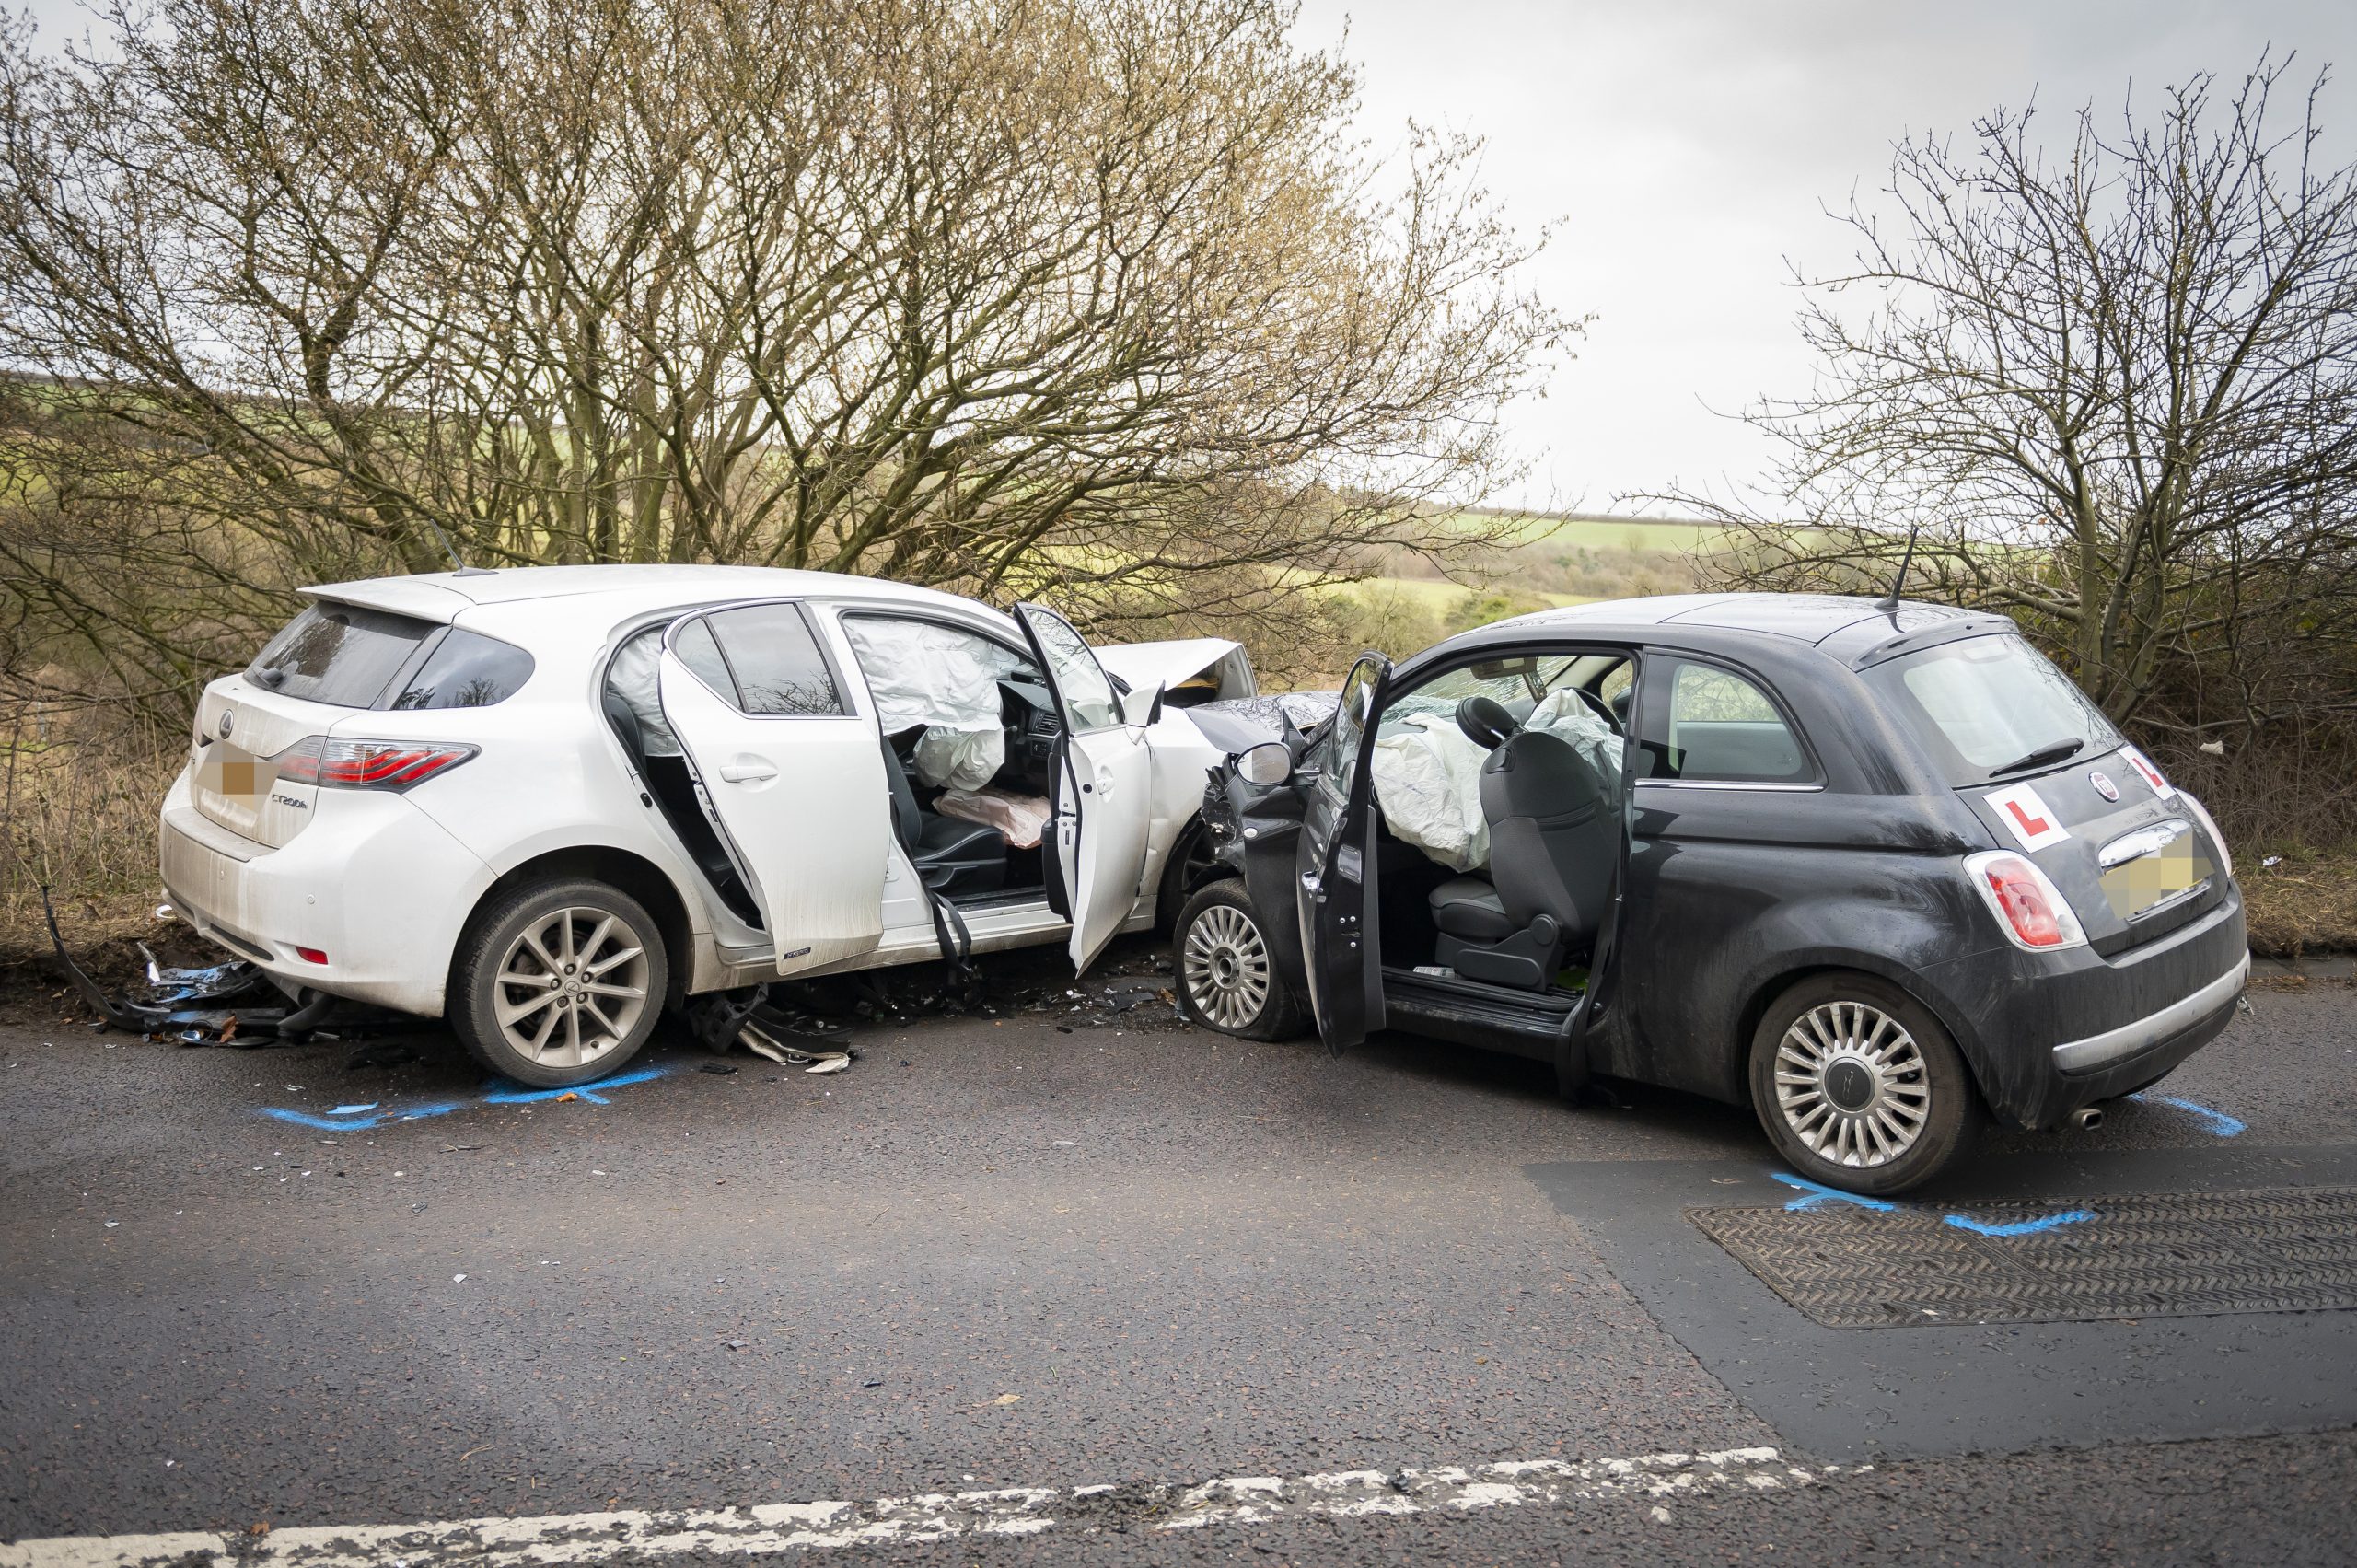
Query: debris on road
(776, 1030)
(232, 1004)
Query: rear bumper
(2046, 1034)
(375, 884)
(2131, 1041)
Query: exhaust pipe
(2086, 1119)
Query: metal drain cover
(2151, 1255)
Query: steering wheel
(1603, 709)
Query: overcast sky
(1691, 149)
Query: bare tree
(1011, 295)
(2115, 389)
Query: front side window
(339, 654)
(1350, 714)
(779, 671)
(1090, 699)
(1707, 723)
(1988, 706)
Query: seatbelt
(956, 942)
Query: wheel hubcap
(571, 987)
(1225, 967)
(1851, 1084)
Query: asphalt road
(1059, 1249)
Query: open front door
(1103, 786)
(793, 781)
(1334, 863)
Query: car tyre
(1859, 1085)
(559, 983)
(1226, 971)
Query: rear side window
(776, 661)
(1986, 706)
(339, 654)
(1704, 724)
(695, 644)
(467, 669)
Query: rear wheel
(559, 983)
(1228, 976)
(1858, 1085)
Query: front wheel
(1858, 1085)
(1227, 977)
(559, 983)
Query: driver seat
(953, 856)
(1553, 850)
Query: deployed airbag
(945, 680)
(1566, 715)
(1428, 781)
(633, 677)
(960, 759)
(1428, 773)
(1019, 819)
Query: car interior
(1501, 876)
(1004, 768)
(960, 825)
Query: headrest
(1485, 722)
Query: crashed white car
(547, 801)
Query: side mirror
(1140, 708)
(1271, 763)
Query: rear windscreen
(339, 654)
(1986, 706)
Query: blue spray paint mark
(2020, 1228)
(1814, 1194)
(515, 1094)
(356, 1124)
(342, 1119)
(2217, 1122)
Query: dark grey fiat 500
(1872, 867)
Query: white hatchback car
(547, 801)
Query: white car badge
(229, 722)
(2103, 786)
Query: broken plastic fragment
(352, 1109)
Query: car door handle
(748, 770)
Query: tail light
(366, 764)
(2225, 855)
(2028, 907)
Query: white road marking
(560, 1538)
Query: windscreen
(1986, 707)
(339, 654)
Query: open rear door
(1334, 861)
(798, 796)
(1103, 788)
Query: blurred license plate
(2157, 877)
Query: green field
(1589, 531)
(1440, 596)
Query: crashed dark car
(1876, 868)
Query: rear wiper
(2042, 756)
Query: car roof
(620, 591)
(1851, 628)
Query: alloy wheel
(1225, 967)
(572, 986)
(1852, 1083)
